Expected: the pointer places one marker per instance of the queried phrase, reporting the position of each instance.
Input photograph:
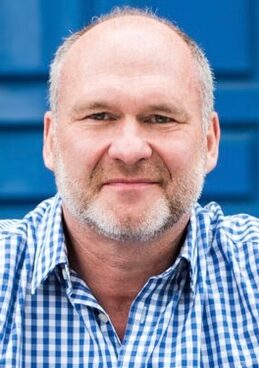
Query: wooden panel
(238, 104)
(236, 163)
(31, 31)
(20, 36)
(24, 176)
(22, 102)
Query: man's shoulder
(12, 228)
(20, 241)
(234, 241)
(13, 237)
(19, 227)
(238, 228)
(242, 228)
(19, 238)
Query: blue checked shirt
(201, 312)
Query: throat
(118, 314)
(119, 320)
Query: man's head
(132, 131)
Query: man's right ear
(48, 152)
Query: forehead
(129, 40)
(129, 47)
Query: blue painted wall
(31, 30)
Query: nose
(129, 143)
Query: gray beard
(104, 222)
(162, 215)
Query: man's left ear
(212, 138)
(48, 141)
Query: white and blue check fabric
(201, 312)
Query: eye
(159, 119)
(100, 116)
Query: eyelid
(94, 115)
(167, 119)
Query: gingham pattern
(201, 312)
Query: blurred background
(30, 31)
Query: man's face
(128, 151)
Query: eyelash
(165, 119)
(104, 116)
(99, 116)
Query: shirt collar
(192, 256)
(196, 245)
(49, 241)
(51, 248)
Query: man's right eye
(100, 116)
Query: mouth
(130, 183)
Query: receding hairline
(116, 20)
(129, 19)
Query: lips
(132, 181)
(123, 184)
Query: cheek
(80, 154)
(178, 157)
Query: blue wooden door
(30, 31)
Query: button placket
(103, 318)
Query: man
(123, 268)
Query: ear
(48, 151)
(212, 139)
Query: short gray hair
(205, 73)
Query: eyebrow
(169, 109)
(81, 107)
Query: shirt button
(103, 318)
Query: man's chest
(55, 331)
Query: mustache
(141, 171)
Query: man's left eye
(160, 119)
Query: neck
(114, 271)
(126, 261)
